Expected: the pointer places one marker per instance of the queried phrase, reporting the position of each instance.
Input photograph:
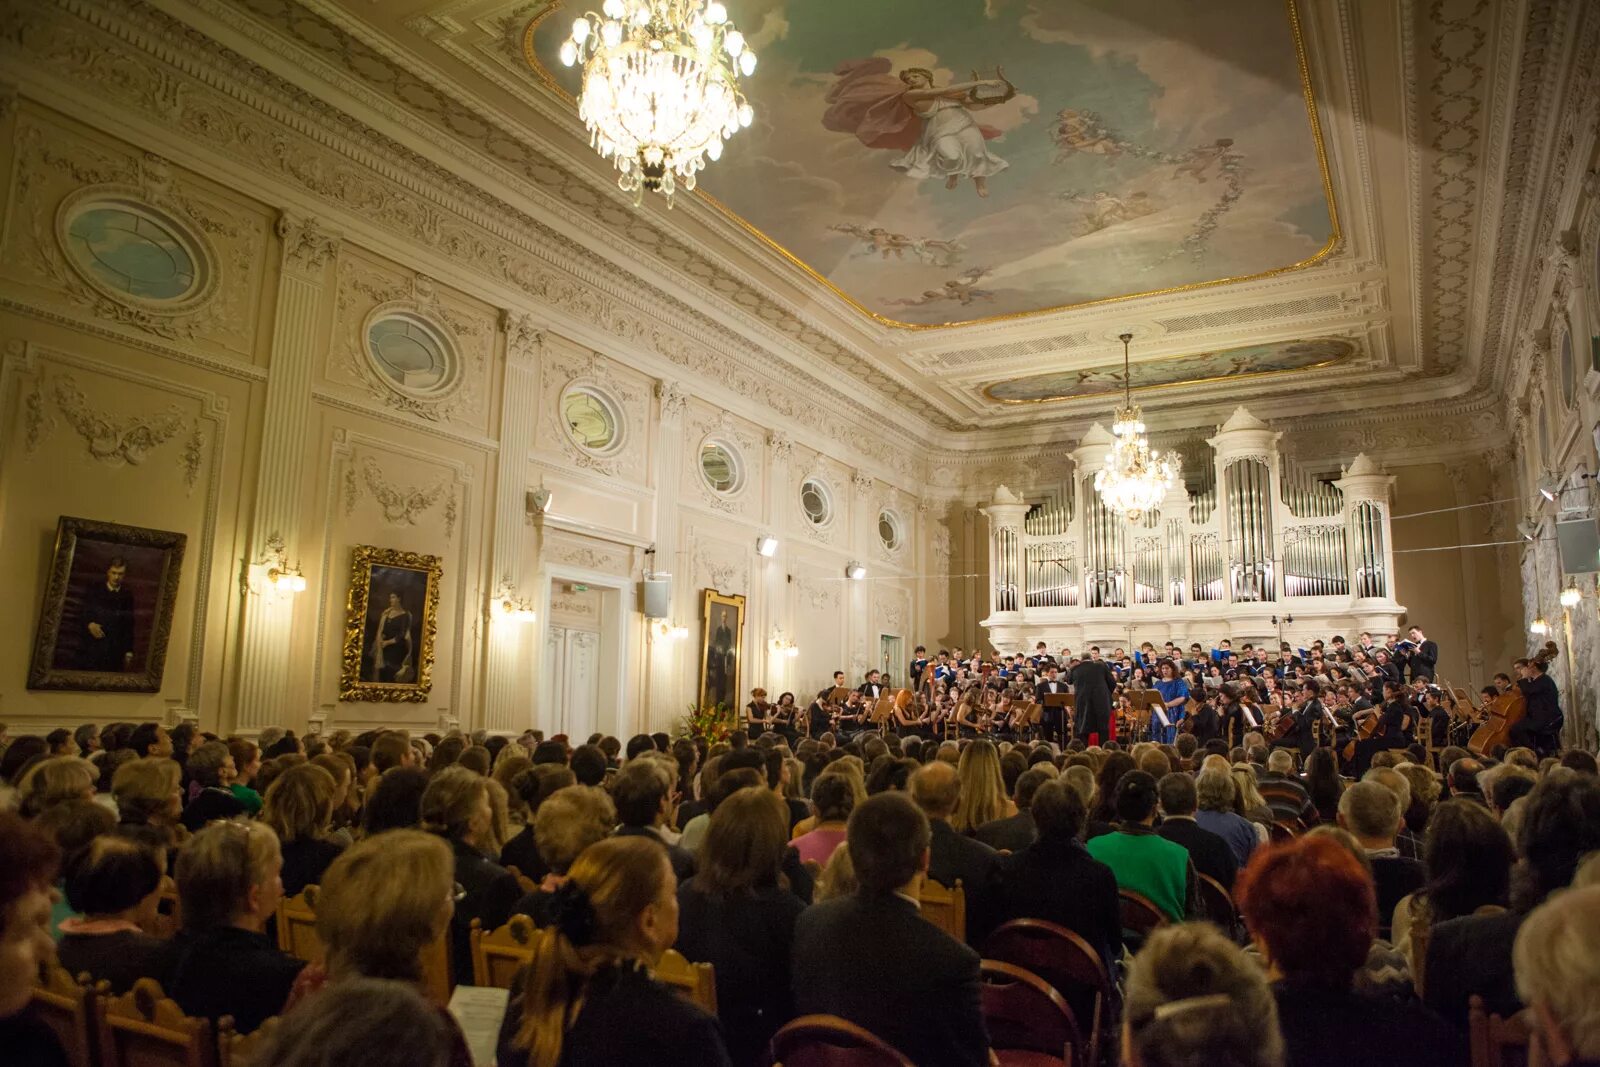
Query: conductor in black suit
(1091, 686)
(1051, 718)
(873, 959)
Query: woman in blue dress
(1175, 695)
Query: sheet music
(1160, 712)
(479, 1010)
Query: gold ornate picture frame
(106, 613)
(391, 615)
(721, 645)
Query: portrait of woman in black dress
(391, 617)
(392, 645)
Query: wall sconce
(1539, 627)
(782, 646)
(273, 573)
(668, 632)
(507, 606)
(1571, 595)
(540, 500)
(1529, 529)
(855, 570)
(766, 545)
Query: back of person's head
(1215, 789)
(744, 843)
(476, 759)
(72, 824)
(55, 780)
(1111, 771)
(145, 788)
(936, 788)
(1187, 744)
(1059, 812)
(111, 875)
(456, 803)
(223, 871)
(589, 765)
(1280, 761)
(395, 802)
(205, 763)
(1193, 998)
(1560, 825)
(1177, 794)
(384, 900)
(1468, 855)
(1463, 775)
(637, 746)
(1136, 797)
(1273, 891)
(1082, 781)
(639, 790)
(890, 774)
(1370, 811)
(299, 803)
(1028, 783)
(1556, 958)
(569, 821)
(888, 839)
(1578, 760)
(539, 783)
(390, 750)
(360, 1022)
(612, 898)
(1155, 763)
(832, 798)
(551, 752)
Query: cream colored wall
(367, 465)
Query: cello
(1505, 711)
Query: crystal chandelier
(1134, 478)
(660, 87)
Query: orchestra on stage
(1355, 698)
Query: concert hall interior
(1109, 372)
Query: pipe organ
(1261, 553)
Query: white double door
(571, 702)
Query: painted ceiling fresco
(976, 159)
(1247, 362)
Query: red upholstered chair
(1029, 1024)
(1219, 904)
(829, 1041)
(1069, 964)
(1139, 915)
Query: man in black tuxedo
(1051, 718)
(1423, 659)
(106, 618)
(871, 689)
(1211, 855)
(873, 959)
(1092, 682)
(954, 857)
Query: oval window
(133, 252)
(591, 419)
(816, 502)
(720, 467)
(889, 530)
(413, 354)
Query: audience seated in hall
(1192, 998)
(1013, 833)
(222, 963)
(1371, 813)
(1472, 954)
(1556, 957)
(1056, 879)
(869, 957)
(1408, 844)
(211, 774)
(738, 914)
(1142, 861)
(588, 996)
(1209, 852)
(299, 808)
(114, 886)
(1217, 794)
(643, 793)
(456, 807)
(72, 824)
(1283, 790)
(28, 863)
(1312, 963)
(832, 799)
(953, 857)
(568, 822)
(533, 786)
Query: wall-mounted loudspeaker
(656, 593)
(1580, 546)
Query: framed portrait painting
(391, 613)
(722, 636)
(107, 608)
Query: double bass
(1505, 711)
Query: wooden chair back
(497, 955)
(297, 925)
(1285, 830)
(945, 908)
(243, 1050)
(66, 1005)
(1496, 1041)
(527, 884)
(1069, 964)
(438, 980)
(1024, 1013)
(1220, 908)
(142, 1028)
(1139, 915)
(697, 981)
(829, 1041)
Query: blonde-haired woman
(299, 808)
(149, 792)
(457, 806)
(983, 788)
(588, 996)
(54, 781)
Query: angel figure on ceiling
(930, 125)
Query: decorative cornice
(307, 246)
